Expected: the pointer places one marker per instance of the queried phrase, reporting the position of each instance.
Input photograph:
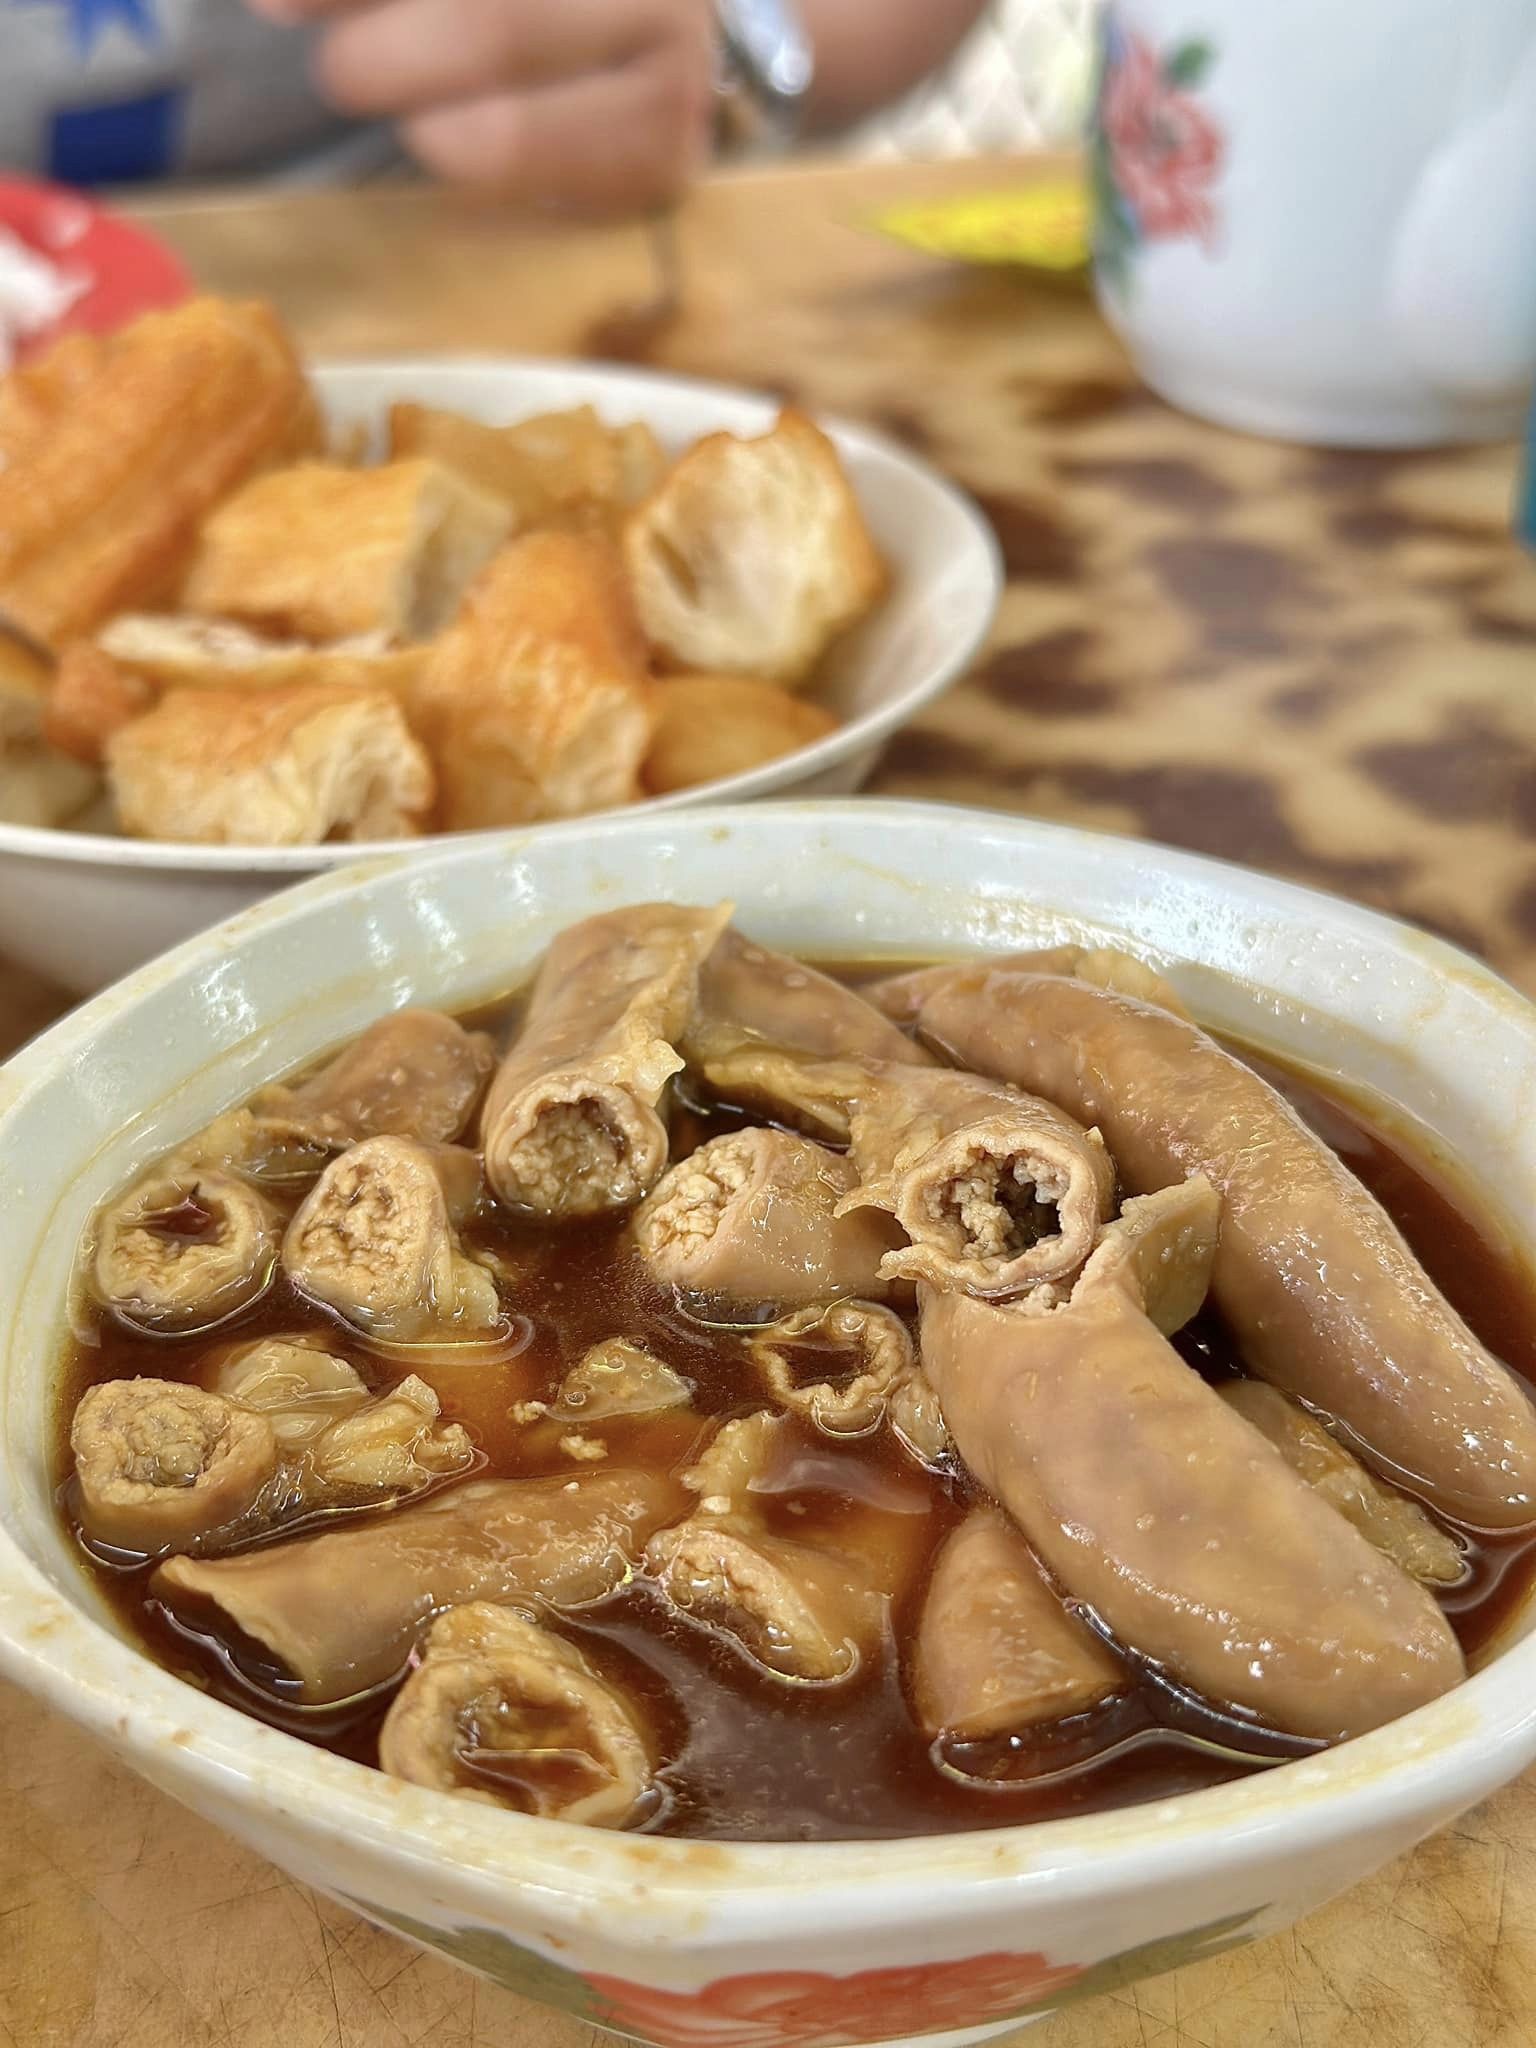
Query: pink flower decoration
(1165, 150)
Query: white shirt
(1021, 78)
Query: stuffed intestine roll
(761, 1022)
(990, 1189)
(376, 1239)
(995, 1190)
(503, 1711)
(753, 1217)
(161, 1467)
(572, 1125)
(805, 1612)
(413, 1074)
(190, 1244)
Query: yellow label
(1044, 225)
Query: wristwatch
(767, 67)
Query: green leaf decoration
(1187, 63)
(1153, 1959)
(1114, 272)
(1113, 232)
(505, 1962)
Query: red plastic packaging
(126, 270)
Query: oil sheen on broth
(746, 1755)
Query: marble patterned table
(1323, 664)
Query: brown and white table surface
(1323, 664)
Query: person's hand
(587, 103)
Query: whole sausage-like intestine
(1158, 1507)
(1322, 1293)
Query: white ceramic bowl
(750, 1946)
(84, 908)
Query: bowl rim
(57, 843)
(1435, 1760)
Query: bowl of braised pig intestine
(791, 1424)
(257, 617)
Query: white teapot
(1317, 218)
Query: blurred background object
(69, 266)
(1023, 77)
(607, 106)
(1316, 222)
(110, 92)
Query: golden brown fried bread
(291, 766)
(41, 787)
(113, 449)
(711, 726)
(565, 587)
(37, 785)
(24, 682)
(535, 703)
(322, 551)
(176, 652)
(100, 685)
(642, 462)
(173, 649)
(92, 697)
(563, 469)
(752, 555)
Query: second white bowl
(83, 908)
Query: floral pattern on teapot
(1157, 152)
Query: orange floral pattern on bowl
(811, 2009)
(816, 2008)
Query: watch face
(96, 270)
(767, 57)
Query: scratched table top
(1322, 664)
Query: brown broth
(749, 1757)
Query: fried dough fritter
(285, 767)
(323, 551)
(113, 449)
